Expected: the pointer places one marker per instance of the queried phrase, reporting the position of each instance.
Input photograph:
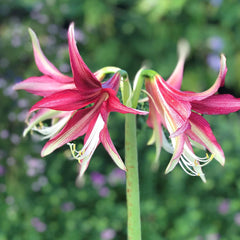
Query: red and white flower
(81, 104)
(180, 112)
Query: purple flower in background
(213, 61)
(67, 206)
(35, 166)
(2, 170)
(4, 134)
(98, 179)
(117, 176)
(103, 192)
(108, 234)
(216, 3)
(216, 43)
(41, 182)
(237, 218)
(38, 224)
(223, 207)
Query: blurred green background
(41, 198)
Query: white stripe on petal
(84, 155)
(49, 132)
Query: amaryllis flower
(181, 114)
(78, 105)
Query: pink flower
(180, 112)
(81, 104)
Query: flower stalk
(131, 162)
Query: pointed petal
(101, 73)
(217, 104)
(175, 110)
(192, 96)
(40, 116)
(181, 129)
(91, 141)
(76, 126)
(43, 64)
(113, 82)
(84, 79)
(66, 100)
(114, 105)
(108, 145)
(42, 86)
(51, 131)
(154, 121)
(175, 80)
(201, 132)
(178, 143)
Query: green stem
(131, 161)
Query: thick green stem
(131, 161)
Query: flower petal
(84, 79)
(217, 104)
(175, 80)
(66, 100)
(192, 96)
(176, 110)
(43, 64)
(91, 141)
(41, 115)
(178, 143)
(51, 131)
(113, 82)
(154, 121)
(108, 145)
(43, 86)
(114, 105)
(201, 132)
(76, 126)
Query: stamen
(76, 154)
(188, 165)
(191, 172)
(41, 125)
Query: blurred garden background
(42, 198)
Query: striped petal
(178, 144)
(91, 141)
(192, 96)
(114, 105)
(175, 110)
(154, 121)
(66, 100)
(113, 82)
(43, 64)
(84, 79)
(76, 126)
(43, 86)
(201, 132)
(175, 80)
(40, 116)
(108, 145)
(217, 104)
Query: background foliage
(41, 198)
